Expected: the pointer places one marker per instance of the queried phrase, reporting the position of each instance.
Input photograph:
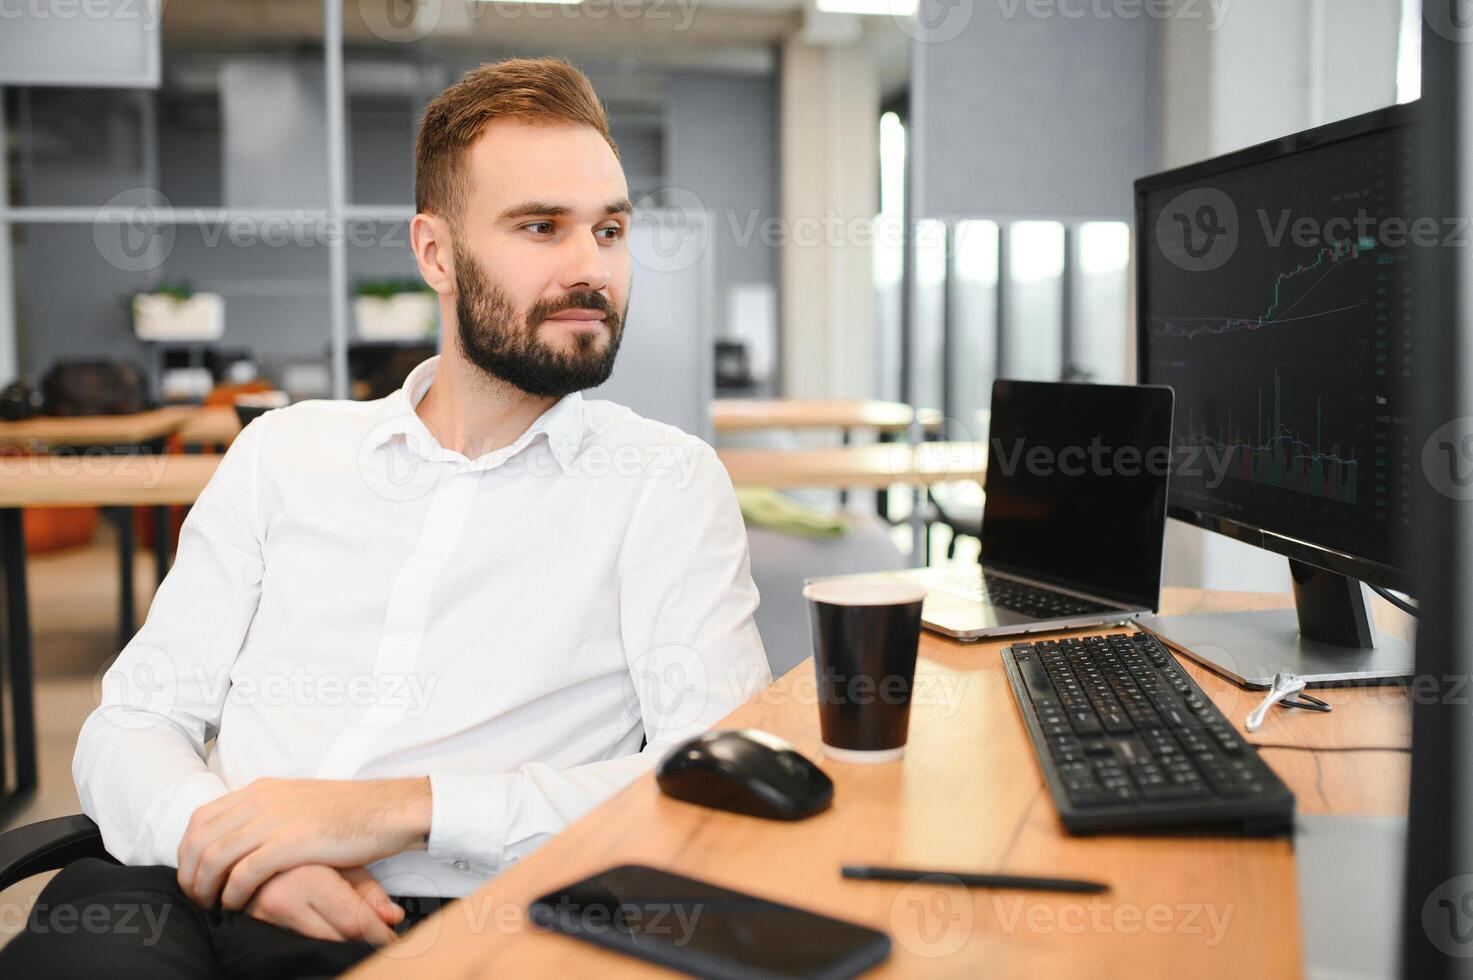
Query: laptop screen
(1076, 486)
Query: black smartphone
(706, 930)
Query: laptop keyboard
(1127, 740)
(1018, 597)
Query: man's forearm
(238, 842)
(413, 804)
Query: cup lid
(864, 592)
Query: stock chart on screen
(1276, 299)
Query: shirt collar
(562, 424)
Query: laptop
(1074, 522)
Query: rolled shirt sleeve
(140, 766)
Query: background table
(45, 432)
(78, 439)
(111, 481)
(743, 414)
(968, 796)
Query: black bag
(95, 388)
(18, 401)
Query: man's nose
(586, 266)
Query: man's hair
(546, 91)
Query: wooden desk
(137, 480)
(89, 444)
(740, 414)
(103, 481)
(108, 481)
(212, 428)
(47, 432)
(873, 466)
(968, 796)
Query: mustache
(578, 300)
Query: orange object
(225, 394)
(57, 528)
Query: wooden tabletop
(142, 479)
(968, 796)
(114, 480)
(736, 414)
(876, 465)
(214, 426)
(47, 431)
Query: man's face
(541, 257)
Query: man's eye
(539, 227)
(611, 233)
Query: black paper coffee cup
(865, 637)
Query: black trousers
(96, 919)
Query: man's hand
(236, 843)
(326, 903)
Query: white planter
(159, 316)
(403, 316)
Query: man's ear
(429, 236)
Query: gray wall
(721, 145)
(1035, 116)
(715, 138)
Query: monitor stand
(1328, 638)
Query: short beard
(492, 338)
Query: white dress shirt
(353, 600)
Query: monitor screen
(1275, 299)
(1076, 486)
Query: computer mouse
(745, 771)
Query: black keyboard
(1127, 741)
(1012, 594)
(1033, 601)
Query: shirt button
(462, 865)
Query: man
(425, 632)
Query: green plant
(385, 288)
(181, 291)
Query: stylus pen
(865, 872)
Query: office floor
(74, 615)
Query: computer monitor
(1275, 297)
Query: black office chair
(48, 845)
